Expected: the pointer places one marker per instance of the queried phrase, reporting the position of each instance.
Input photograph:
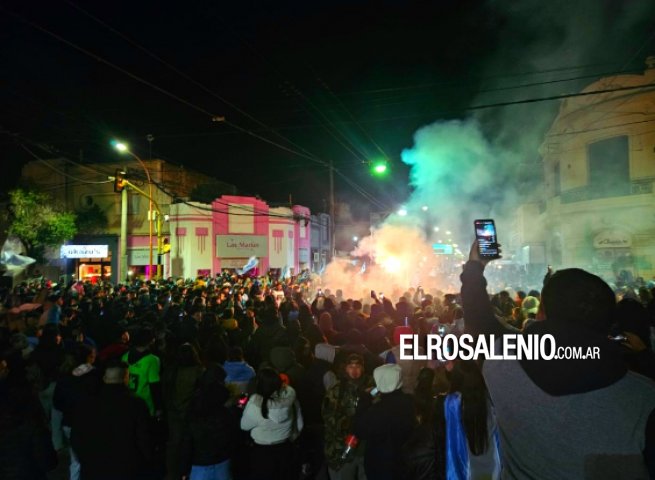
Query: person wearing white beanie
(388, 378)
(386, 425)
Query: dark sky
(347, 81)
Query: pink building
(206, 239)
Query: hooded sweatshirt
(283, 422)
(586, 418)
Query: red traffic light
(119, 181)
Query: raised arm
(479, 318)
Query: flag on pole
(252, 263)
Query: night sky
(347, 81)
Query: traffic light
(119, 181)
(379, 168)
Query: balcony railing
(583, 194)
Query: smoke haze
(487, 164)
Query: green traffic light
(380, 168)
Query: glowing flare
(391, 264)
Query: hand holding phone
(487, 239)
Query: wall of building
(204, 237)
(191, 239)
(241, 231)
(236, 229)
(320, 253)
(582, 224)
(93, 189)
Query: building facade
(320, 254)
(86, 190)
(598, 206)
(204, 238)
(232, 231)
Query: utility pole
(333, 222)
(122, 271)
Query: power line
(628, 62)
(109, 64)
(293, 217)
(52, 167)
(192, 80)
(169, 66)
(313, 158)
(161, 90)
(442, 84)
(586, 130)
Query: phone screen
(485, 234)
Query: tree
(208, 192)
(91, 220)
(39, 222)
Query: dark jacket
(26, 451)
(209, 440)
(48, 359)
(110, 436)
(315, 391)
(424, 453)
(385, 427)
(73, 390)
(263, 340)
(419, 455)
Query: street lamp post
(123, 273)
(121, 147)
(160, 218)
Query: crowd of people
(238, 377)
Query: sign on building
(84, 251)
(612, 239)
(241, 246)
(141, 256)
(442, 248)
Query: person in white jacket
(274, 420)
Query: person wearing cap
(386, 425)
(338, 410)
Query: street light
(402, 212)
(123, 148)
(424, 208)
(355, 238)
(436, 229)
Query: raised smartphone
(485, 234)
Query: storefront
(237, 232)
(613, 255)
(235, 251)
(88, 262)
